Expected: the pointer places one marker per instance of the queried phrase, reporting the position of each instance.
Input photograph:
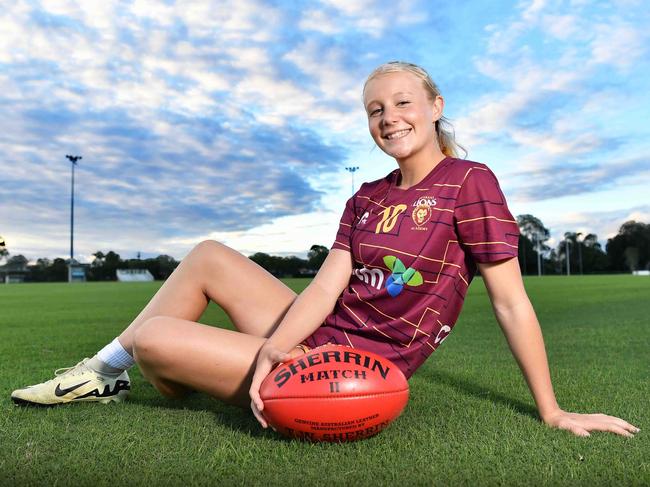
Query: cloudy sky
(235, 119)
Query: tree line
(102, 268)
(579, 253)
(105, 265)
(576, 253)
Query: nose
(389, 116)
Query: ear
(438, 107)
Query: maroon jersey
(415, 252)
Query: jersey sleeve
(485, 226)
(344, 234)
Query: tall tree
(568, 244)
(16, 263)
(98, 261)
(630, 249)
(280, 266)
(531, 242)
(58, 271)
(165, 265)
(594, 258)
(316, 256)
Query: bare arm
(313, 305)
(304, 316)
(519, 324)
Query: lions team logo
(422, 211)
(421, 215)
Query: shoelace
(81, 366)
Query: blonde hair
(444, 129)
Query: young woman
(394, 282)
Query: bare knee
(148, 341)
(150, 351)
(208, 250)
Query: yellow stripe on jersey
(348, 339)
(487, 218)
(491, 243)
(470, 170)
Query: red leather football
(334, 393)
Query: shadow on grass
(236, 418)
(233, 417)
(475, 390)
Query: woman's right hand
(266, 360)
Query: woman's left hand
(582, 424)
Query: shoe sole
(24, 402)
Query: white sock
(114, 355)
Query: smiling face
(401, 115)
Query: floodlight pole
(352, 170)
(73, 160)
(579, 244)
(568, 260)
(539, 255)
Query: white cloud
(319, 21)
(169, 90)
(532, 11)
(155, 10)
(294, 234)
(619, 44)
(327, 69)
(528, 77)
(351, 9)
(604, 224)
(372, 17)
(560, 26)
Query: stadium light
(73, 160)
(579, 245)
(539, 254)
(352, 170)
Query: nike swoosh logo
(58, 392)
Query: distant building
(134, 275)
(13, 272)
(77, 271)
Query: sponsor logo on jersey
(374, 277)
(401, 276)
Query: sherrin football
(334, 393)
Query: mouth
(397, 135)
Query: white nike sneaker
(76, 384)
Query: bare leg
(253, 298)
(177, 354)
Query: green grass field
(470, 419)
